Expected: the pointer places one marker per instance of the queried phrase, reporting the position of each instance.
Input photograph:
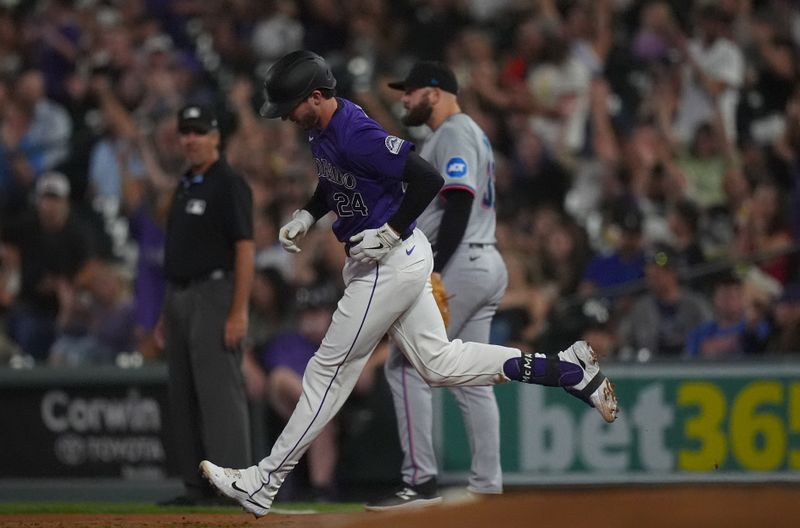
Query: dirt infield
(635, 507)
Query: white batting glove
(371, 245)
(295, 229)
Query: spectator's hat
(428, 73)
(664, 256)
(732, 277)
(53, 184)
(159, 43)
(196, 118)
(596, 315)
(628, 218)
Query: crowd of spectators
(647, 176)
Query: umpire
(208, 264)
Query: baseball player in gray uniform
(460, 225)
(377, 186)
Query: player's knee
(432, 378)
(435, 369)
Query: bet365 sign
(687, 422)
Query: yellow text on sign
(753, 429)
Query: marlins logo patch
(457, 167)
(393, 144)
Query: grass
(139, 508)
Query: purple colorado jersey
(360, 168)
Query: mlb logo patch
(196, 207)
(457, 167)
(393, 144)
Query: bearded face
(305, 115)
(418, 106)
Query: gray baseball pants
(207, 402)
(476, 277)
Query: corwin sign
(94, 424)
(131, 413)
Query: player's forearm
(424, 183)
(457, 209)
(317, 205)
(242, 276)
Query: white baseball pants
(392, 296)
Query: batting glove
(371, 245)
(295, 229)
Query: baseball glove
(442, 299)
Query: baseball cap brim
(47, 193)
(271, 110)
(405, 86)
(397, 85)
(195, 124)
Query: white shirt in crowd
(723, 61)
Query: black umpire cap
(196, 118)
(291, 79)
(428, 73)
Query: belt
(217, 274)
(479, 246)
(348, 245)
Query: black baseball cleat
(408, 497)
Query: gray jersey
(462, 154)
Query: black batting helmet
(291, 79)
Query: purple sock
(548, 371)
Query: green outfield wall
(678, 422)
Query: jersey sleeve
(456, 159)
(373, 151)
(239, 210)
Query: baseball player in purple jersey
(460, 225)
(377, 186)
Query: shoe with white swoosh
(228, 482)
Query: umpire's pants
(208, 405)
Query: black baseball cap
(628, 218)
(428, 73)
(664, 256)
(196, 117)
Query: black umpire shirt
(210, 212)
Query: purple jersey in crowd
(360, 168)
(150, 284)
(288, 350)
